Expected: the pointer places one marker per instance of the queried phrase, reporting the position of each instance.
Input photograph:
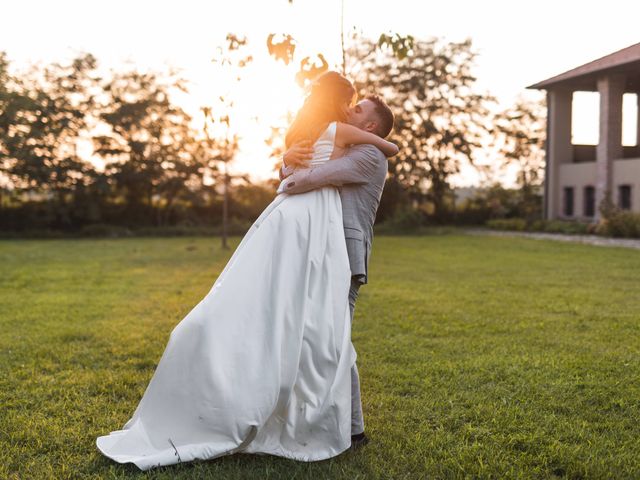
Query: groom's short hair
(384, 116)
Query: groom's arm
(285, 171)
(358, 167)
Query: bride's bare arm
(347, 135)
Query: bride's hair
(328, 101)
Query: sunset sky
(519, 43)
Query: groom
(360, 176)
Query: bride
(262, 364)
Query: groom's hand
(298, 155)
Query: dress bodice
(323, 148)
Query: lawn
(480, 357)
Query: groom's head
(372, 115)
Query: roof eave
(581, 73)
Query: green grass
(480, 357)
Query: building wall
(604, 167)
(627, 172)
(578, 176)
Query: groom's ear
(371, 126)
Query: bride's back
(325, 146)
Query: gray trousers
(357, 420)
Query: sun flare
(257, 98)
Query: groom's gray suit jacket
(360, 176)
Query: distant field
(480, 357)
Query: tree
(439, 117)
(219, 152)
(150, 146)
(12, 102)
(520, 133)
(520, 136)
(41, 119)
(222, 149)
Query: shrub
(622, 224)
(404, 221)
(33, 233)
(104, 230)
(517, 224)
(548, 226)
(563, 226)
(235, 228)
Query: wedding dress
(262, 363)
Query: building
(579, 177)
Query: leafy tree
(41, 119)
(520, 136)
(251, 199)
(149, 146)
(12, 103)
(520, 133)
(217, 154)
(440, 119)
(281, 47)
(222, 149)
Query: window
(589, 208)
(624, 197)
(568, 201)
(630, 120)
(585, 118)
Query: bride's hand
(298, 155)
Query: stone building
(579, 177)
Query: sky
(519, 43)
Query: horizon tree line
(161, 169)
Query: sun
(261, 99)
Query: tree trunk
(163, 213)
(225, 208)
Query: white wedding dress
(262, 363)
